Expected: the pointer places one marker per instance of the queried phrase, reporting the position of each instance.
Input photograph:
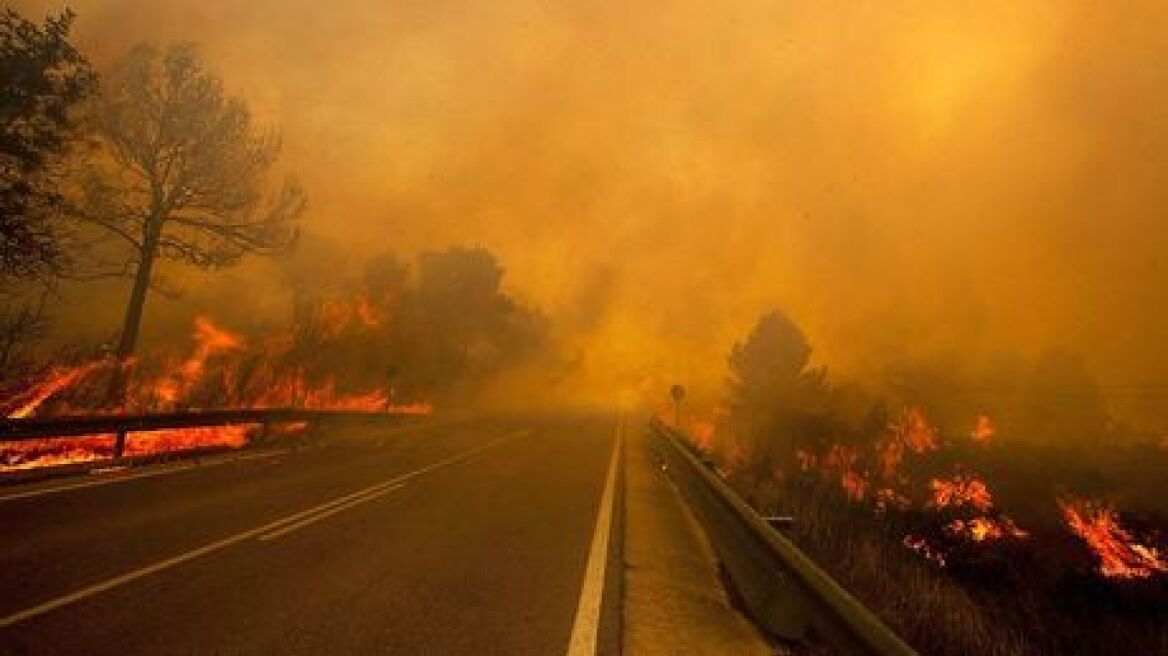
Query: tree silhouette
(181, 175)
(458, 327)
(42, 78)
(775, 395)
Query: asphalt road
(468, 538)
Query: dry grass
(939, 613)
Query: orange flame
(265, 387)
(1120, 555)
(209, 341)
(981, 529)
(910, 432)
(702, 431)
(59, 379)
(365, 311)
(855, 485)
(961, 491)
(33, 454)
(984, 430)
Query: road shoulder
(673, 601)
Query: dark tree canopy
(772, 364)
(385, 277)
(42, 78)
(774, 392)
(441, 329)
(459, 325)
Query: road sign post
(677, 392)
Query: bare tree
(181, 176)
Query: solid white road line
(326, 507)
(586, 626)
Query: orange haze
(904, 178)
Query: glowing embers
(981, 529)
(1121, 554)
(927, 551)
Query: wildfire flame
(910, 432)
(337, 315)
(268, 386)
(914, 431)
(984, 430)
(702, 431)
(1120, 554)
(366, 313)
(874, 476)
(59, 379)
(961, 491)
(981, 529)
(209, 340)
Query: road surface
(466, 538)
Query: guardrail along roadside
(40, 428)
(147, 426)
(781, 587)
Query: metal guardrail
(781, 587)
(38, 428)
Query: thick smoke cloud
(904, 178)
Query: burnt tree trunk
(131, 325)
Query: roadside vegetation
(1016, 518)
(150, 178)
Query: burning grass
(221, 370)
(34, 454)
(975, 545)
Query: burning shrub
(920, 520)
(222, 370)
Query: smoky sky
(902, 178)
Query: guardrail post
(120, 444)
